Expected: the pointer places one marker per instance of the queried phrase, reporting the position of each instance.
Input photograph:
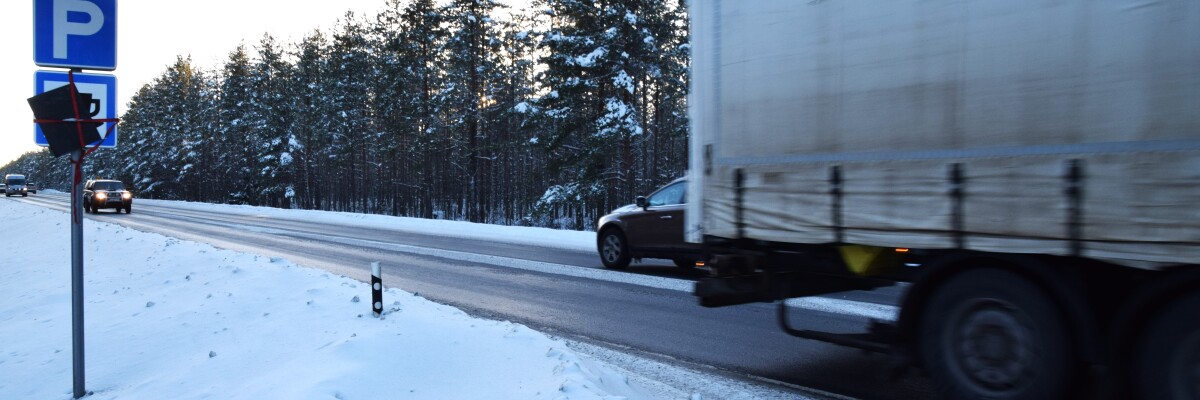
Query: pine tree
(421, 46)
(165, 135)
(474, 48)
(272, 112)
(597, 52)
(518, 162)
(309, 139)
(353, 132)
(236, 129)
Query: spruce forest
(550, 115)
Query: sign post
(75, 34)
(77, 274)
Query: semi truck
(1026, 171)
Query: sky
(167, 318)
(150, 34)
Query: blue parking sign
(75, 34)
(102, 87)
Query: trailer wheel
(1168, 361)
(614, 250)
(990, 333)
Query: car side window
(670, 195)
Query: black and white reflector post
(376, 290)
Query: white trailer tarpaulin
(894, 94)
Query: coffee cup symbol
(92, 105)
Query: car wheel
(614, 251)
(990, 333)
(128, 209)
(95, 210)
(684, 263)
(1168, 362)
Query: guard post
(376, 289)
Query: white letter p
(62, 27)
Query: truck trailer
(1027, 170)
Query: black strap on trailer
(957, 195)
(835, 190)
(739, 193)
(1074, 193)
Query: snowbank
(173, 319)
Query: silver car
(14, 184)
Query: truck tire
(992, 334)
(614, 250)
(1168, 356)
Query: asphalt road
(740, 342)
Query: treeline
(462, 109)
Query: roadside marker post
(376, 289)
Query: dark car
(31, 188)
(652, 227)
(106, 193)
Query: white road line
(822, 304)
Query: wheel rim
(992, 345)
(612, 248)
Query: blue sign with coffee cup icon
(96, 96)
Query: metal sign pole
(92, 45)
(77, 270)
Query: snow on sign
(102, 87)
(75, 34)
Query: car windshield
(672, 194)
(108, 186)
(16, 181)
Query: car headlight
(126, 195)
(101, 196)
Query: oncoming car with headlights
(14, 185)
(106, 193)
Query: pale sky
(150, 34)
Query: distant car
(106, 193)
(31, 188)
(652, 227)
(14, 184)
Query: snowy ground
(182, 320)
